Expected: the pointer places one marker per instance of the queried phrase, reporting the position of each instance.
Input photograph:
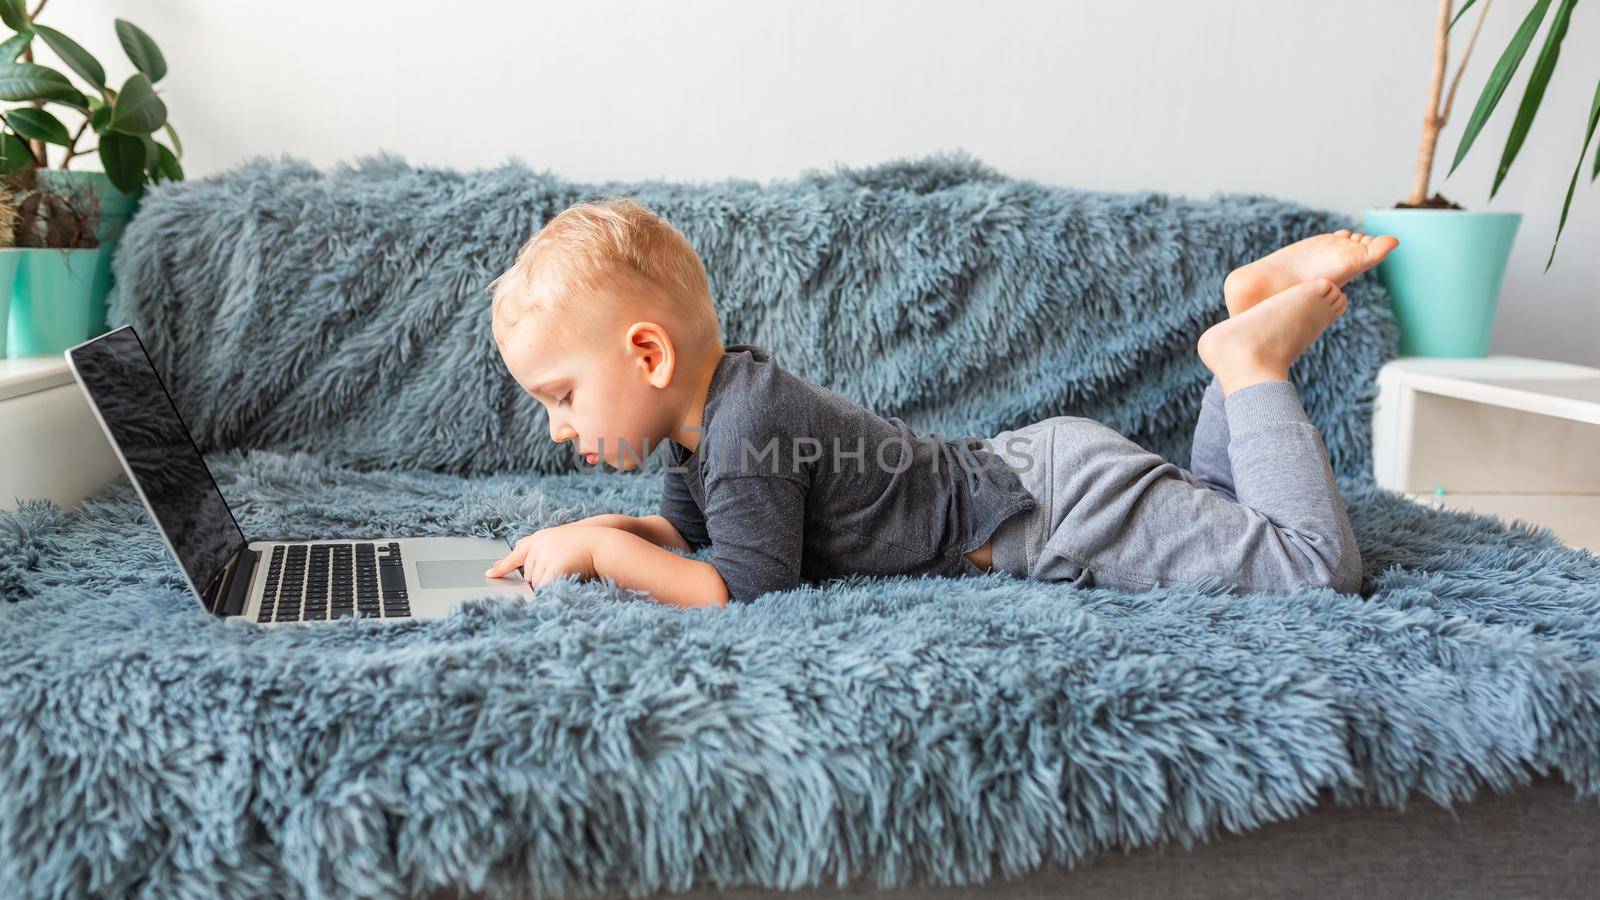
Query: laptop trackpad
(455, 573)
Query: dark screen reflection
(162, 457)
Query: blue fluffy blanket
(327, 336)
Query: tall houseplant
(1445, 277)
(69, 221)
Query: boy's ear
(652, 348)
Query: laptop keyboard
(311, 582)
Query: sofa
(325, 336)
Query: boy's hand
(549, 553)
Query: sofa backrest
(345, 312)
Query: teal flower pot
(1444, 278)
(116, 208)
(8, 277)
(53, 299)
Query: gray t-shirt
(793, 483)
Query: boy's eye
(565, 400)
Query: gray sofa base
(1538, 841)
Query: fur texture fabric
(346, 313)
(327, 337)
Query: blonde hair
(598, 262)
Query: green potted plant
(1444, 278)
(69, 221)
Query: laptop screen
(159, 454)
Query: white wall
(1313, 101)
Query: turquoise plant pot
(53, 299)
(116, 208)
(1444, 278)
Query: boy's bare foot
(1337, 256)
(1261, 342)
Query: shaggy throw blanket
(346, 313)
(906, 729)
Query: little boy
(606, 318)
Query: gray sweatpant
(1258, 507)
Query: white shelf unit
(1510, 436)
(50, 444)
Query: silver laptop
(270, 582)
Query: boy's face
(609, 395)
